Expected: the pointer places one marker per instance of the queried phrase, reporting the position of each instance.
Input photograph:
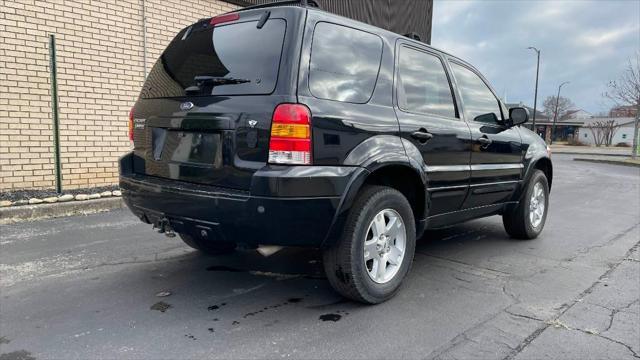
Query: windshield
(235, 51)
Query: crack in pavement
(633, 353)
(585, 250)
(503, 273)
(615, 311)
(462, 337)
(565, 307)
(522, 316)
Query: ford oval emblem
(186, 106)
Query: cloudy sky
(585, 42)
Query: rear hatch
(204, 112)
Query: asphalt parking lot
(87, 287)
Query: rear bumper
(290, 206)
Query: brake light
(224, 18)
(290, 141)
(131, 124)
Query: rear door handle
(422, 135)
(484, 140)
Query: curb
(15, 214)
(612, 162)
(587, 154)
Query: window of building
(344, 63)
(477, 98)
(624, 136)
(423, 86)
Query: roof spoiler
(303, 3)
(414, 36)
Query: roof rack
(303, 3)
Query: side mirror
(518, 115)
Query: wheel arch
(544, 164)
(400, 174)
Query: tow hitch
(164, 227)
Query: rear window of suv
(344, 63)
(239, 51)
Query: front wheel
(376, 250)
(526, 220)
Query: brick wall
(100, 72)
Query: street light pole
(535, 96)
(555, 113)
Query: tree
(549, 104)
(603, 131)
(626, 91)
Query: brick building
(624, 111)
(100, 61)
(104, 48)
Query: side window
(423, 86)
(477, 98)
(344, 63)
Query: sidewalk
(590, 150)
(615, 160)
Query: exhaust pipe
(268, 250)
(163, 227)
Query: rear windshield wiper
(211, 81)
(218, 80)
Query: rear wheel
(376, 250)
(526, 220)
(208, 246)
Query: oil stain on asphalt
(160, 306)
(330, 317)
(17, 355)
(288, 302)
(216, 307)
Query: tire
(517, 220)
(345, 263)
(208, 246)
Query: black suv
(291, 126)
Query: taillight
(224, 18)
(290, 141)
(131, 124)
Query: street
(107, 286)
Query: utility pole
(555, 113)
(535, 95)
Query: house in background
(623, 111)
(623, 134)
(577, 114)
(567, 129)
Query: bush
(574, 141)
(623, 144)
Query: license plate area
(187, 147)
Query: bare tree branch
(626, 91)
(549, 104)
